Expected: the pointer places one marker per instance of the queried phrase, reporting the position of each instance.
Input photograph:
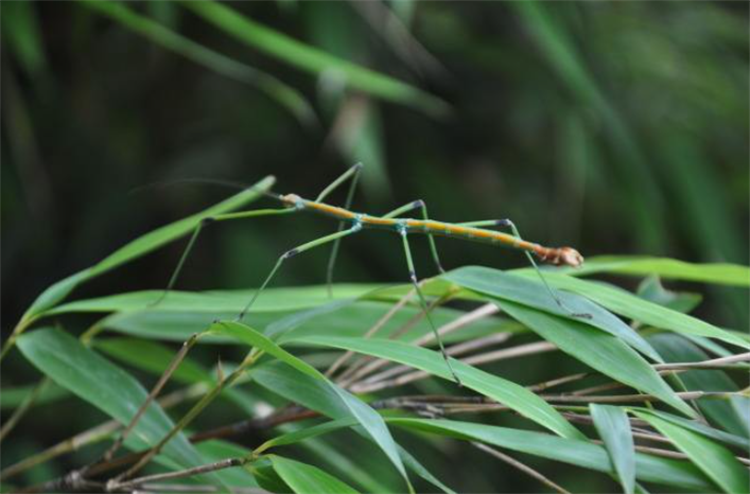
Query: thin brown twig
(453, 351)
(173, 365)
(462, 321)
(517, 351)
(114, 485)
(19, 412)
(517, 464)
(374, 329)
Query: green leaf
(143, 245)
(308, 58)
(276, 300)
(629, 305)
(506, 392)
(613, 427)
(719, 273)
(98, 381)
(530, 293)
(152, 357)
(598, 350)
(715, 460)
(652, 290)
(307, 479)
(701, 428)
(572, 451)
(730, 415)
(253, 338)
(14, 396)
(347, 404)
(334, 425)
(157, 33)
(22, 34)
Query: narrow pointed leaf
(718, 273)
(101, 383)
(577, 452)
(613, 427)
(532, 293)
(143, 245)
(715, 460)
(629, 305)
(506, 392)
(599, 350)
(307, 479)
(159, 34)
(311, 59)
(348, 404)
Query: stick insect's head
(568, 256)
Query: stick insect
(352, 222)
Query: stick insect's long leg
(419, 204)
(508, 223)
(352, 173)
(293, 252)
(423, 302)
(199, 227)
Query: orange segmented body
(554, 255)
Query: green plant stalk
(251, 358)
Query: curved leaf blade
(348, 404)
(613, 427)
(629, 305)
(572, 451)
(157, 33)
(509, 393)
(307, 479)
(717, 273)
(101, 383)
(598, 350)
(530, 293)
(145, 244)
(311, 59)
(715, 460)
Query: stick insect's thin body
(392, 221)
(562, 255)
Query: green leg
(514, 229)
(352, 172)
(199, 227)
(484, 223)
(419, 204)
(423, 302)
(293, 252)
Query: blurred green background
(614, 127)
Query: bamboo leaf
(734, 440)
(101, 383)
(310, 59)
(509, 393)
(572, 451)
(307, 479)
(530, 293)
(731, 415)
(613, 427)
(629, 305)
(346, 403)
(157, 33)
(715, 460)
(143, 245)
(599, 350)
(718, 273)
